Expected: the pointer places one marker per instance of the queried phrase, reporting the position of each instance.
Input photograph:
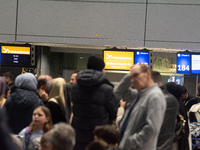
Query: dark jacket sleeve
(112, 105)
(5, 138)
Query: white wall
(136, 23)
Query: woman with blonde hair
(59, 102)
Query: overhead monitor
(15, 55)
(195, 63)
(183, 64)
(118, 59)
(141, 57)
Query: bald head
(46, 77)
(141, 77)
(42, 86)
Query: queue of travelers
(139, 114)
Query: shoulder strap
(27, 137)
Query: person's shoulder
(155, 90)
(22, 132)
(51, 104)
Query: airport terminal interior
(62, 34)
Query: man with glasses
(142, 120)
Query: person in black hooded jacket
(93, 102)
(21, 103)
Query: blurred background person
(120, 113)
(7, 143)
(73, 77)
(9, 77)
(42, 87)
(3, 88)
(183, 140)
(166, 135)
(62, 137)
(45, 141)
(187, 99)
(198, 91)
(108, 134)
(97, 145)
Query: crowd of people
(139, 114)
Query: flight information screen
(195, 60)
(142, 57)
(183, 64)
(118, 60)
(15, 56)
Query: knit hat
(198, 88)
(95, 63)
(26, 81)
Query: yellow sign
(118, 60)
(15, 50)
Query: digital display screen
(183, 63)
(118, 60)
(142, 57)
(15, 56)
(195, 60)
(0, 54)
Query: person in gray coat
(21, 103)
(142, 120)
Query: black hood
(90, 78)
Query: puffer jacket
(19, 107)
(93, 104)
(21, 103)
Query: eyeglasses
(136, 74)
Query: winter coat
(22, 102)
(19, 107)
(93, 104)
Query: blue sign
(141, 57)
(183, 63)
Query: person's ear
(47, 119)
(103, 71)
(53, 147)
(8, 80)
(149, 74)
(42, 87)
